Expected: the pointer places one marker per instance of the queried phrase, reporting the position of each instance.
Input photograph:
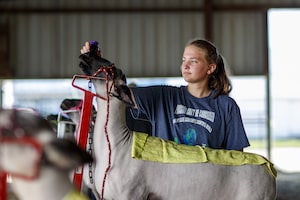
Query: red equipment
(84, 126)
(3, 192)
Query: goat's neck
(50, 185)
(117, 129)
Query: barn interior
(40, 42)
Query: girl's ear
(211, 68)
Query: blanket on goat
(75, 195)
(150, 148)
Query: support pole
(3, 190)
(82, 133)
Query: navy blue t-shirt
(178, 116)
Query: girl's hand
(85, 48)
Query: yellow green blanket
(149, 148)
(75, 195)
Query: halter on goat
(27, 141)
(14, 134)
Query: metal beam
(208, 19)
(208, 4)
(268, 90)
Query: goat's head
(28, 142)
(72, 108)
(94, 65)
(92, 62)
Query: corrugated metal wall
(142, 41)
(242, 41)
(147, 44)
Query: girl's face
(195, 68)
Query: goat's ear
(125, 95)
(65, 154)
(66, 104)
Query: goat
(38, 161)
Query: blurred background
(40, 42)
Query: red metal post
(3, 190)
(82, 133)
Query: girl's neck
(198, 91)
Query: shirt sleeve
(236, 137)
(146, 99)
